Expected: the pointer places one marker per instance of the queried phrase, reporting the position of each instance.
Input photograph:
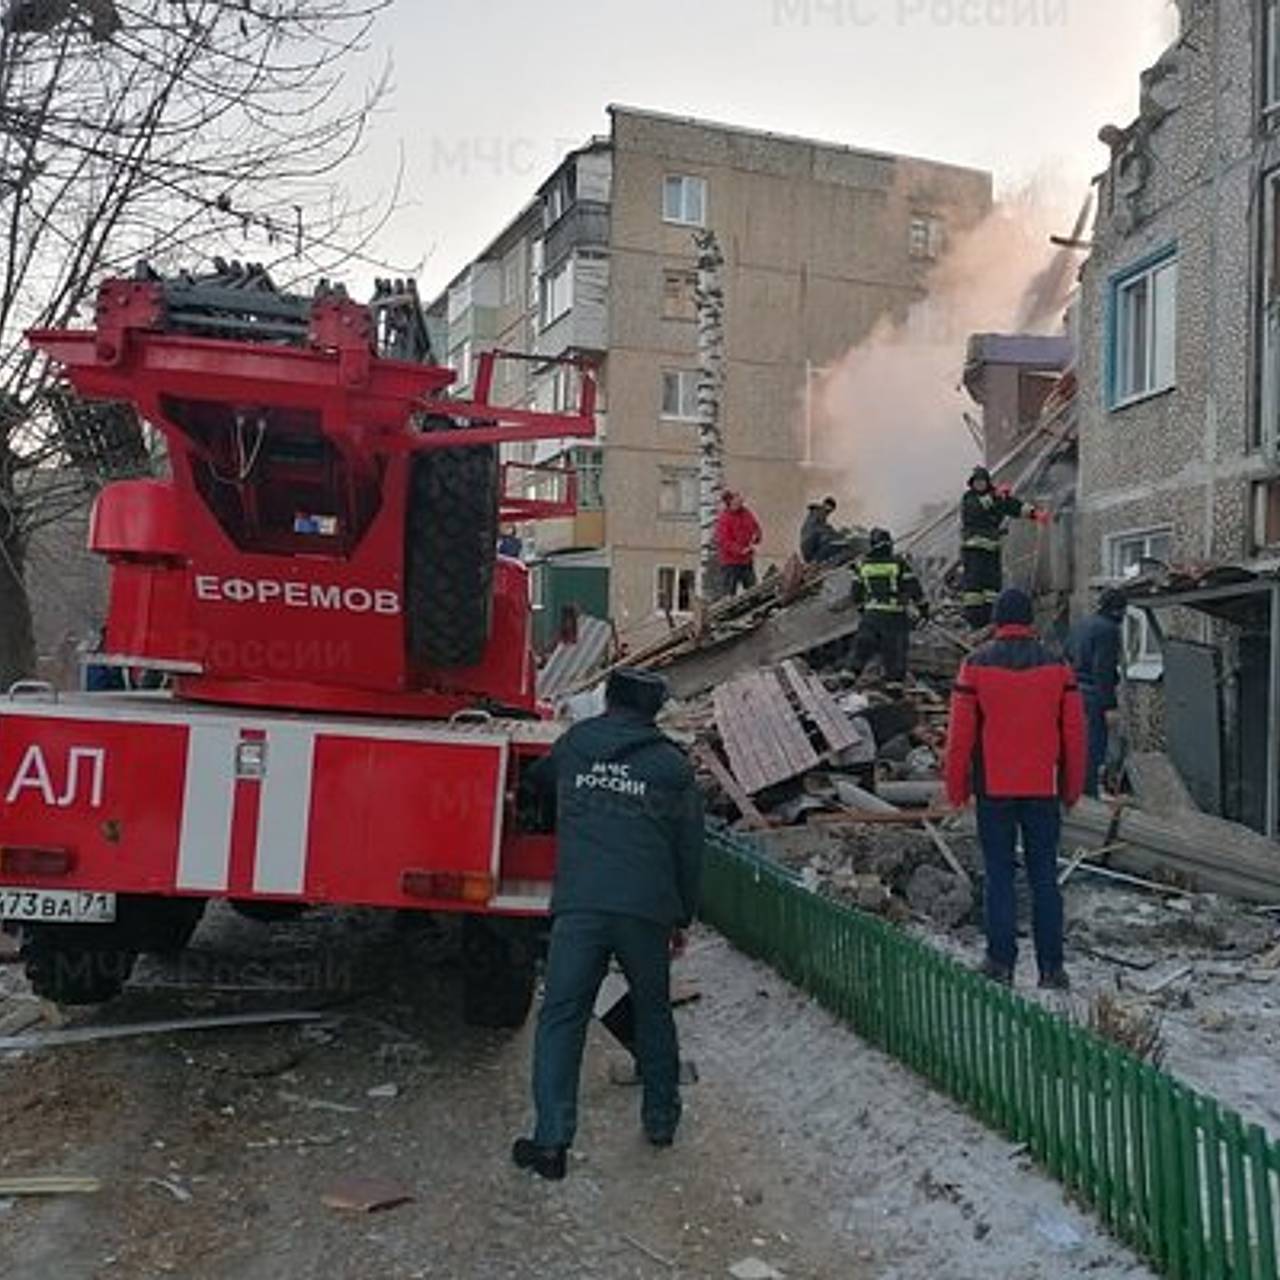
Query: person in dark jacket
(818, 540)
(628, 875)
(984, 511)
(884, 585)
(1017, 741)
(1094, 648)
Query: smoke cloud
(887, 420)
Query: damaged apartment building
(821, 242)
(1179, 362)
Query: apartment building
(821, 242)
(1179, 490)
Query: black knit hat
(980, 473)
(1013, 608)
(640, 691)
(1113, 603)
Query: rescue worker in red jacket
(738, 533)
(1017, 742)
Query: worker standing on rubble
(738, 533)
(884, 585)
(1016, 740)
(984, 509)
(818, 539)
(1094, 648)
(628, 874)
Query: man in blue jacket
(628, 874)
(1094, 648)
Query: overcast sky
(488, 94)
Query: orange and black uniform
(1017, 741)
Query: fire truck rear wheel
(500, 971)
(74, 964)
(451, 548)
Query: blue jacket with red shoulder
(1017, 724)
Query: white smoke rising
(887, 418)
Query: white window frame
(588, 461)
(461, 360)
(511, 273)
(684, 200)
(537, 586)
(1149, 286)
(926, 237)
(685, 382)
(557, 293)
(1143, 658)
(533, 302)
(683, 482)
(680, 576)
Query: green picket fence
(1172, 1173)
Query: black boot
(546, 1162)
(1056, 980)
(996, 972)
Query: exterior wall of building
(1182, 459)
(817, 251)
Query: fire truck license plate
(57, 906)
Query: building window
(926, 238)
(1144, 310)
(1123, 557)
(678, 493)
(589, 464)
(678, 298)
(673, 589)
(511, 278)
(535, 275)
(684, 200)
(538, 586)
(680, 394)
(461, 361)
(557, 292)
(1271, 57)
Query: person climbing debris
(885, 586)
(984, 512)
(818, 540)
(628, 874)
(738, 533)
(1094, 648)
(1017, 743)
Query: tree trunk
(709, 299)
(17, 636)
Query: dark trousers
(983, 579)
(887, 635)
(582, 943)
(735, 576)
(1096, 723)
(1040, 824)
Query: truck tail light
(455, 886)
(29, 860)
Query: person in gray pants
(628, 872)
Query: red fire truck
(350, 700)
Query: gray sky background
(488, 94)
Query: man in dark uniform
(1094, 648)
(884, 584)
(818, 539)
(629, 868)
(983, 512)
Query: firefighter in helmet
(884, 585)
(983, 512)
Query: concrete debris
(944, 898)
(383, 1091)
(754, 1269)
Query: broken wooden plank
(762, 735)
(858, 817)
(729, 784)
(839, 732)
(948, 854)
(122, 1031)
(49, 1184)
